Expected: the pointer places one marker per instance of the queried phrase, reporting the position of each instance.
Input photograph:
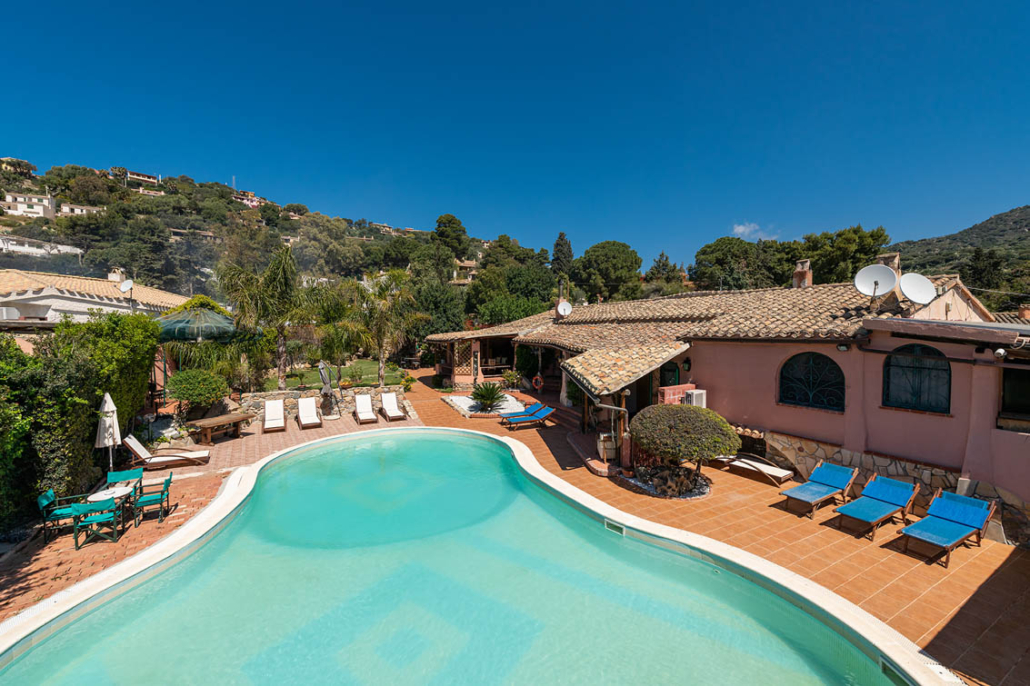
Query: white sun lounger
(390, 409)
(363, 409)
(777, 474)
(307, 413)
(144, 458)
(275, 416)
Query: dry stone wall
(255, 402)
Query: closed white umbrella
(108, 435)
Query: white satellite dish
(918, 288)
(876, 280)
(125, 286)
(565, 308)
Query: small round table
(118, 492)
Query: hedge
(50, 401)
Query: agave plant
(488, 395)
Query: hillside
(1008, 233)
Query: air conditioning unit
(695, 398)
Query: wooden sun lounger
(882, 500)
(307, 413)
(143, 457)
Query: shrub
(526, 362)
(674, 436)
(488, 395)
(196, 388)
(573, 392)
(512, 379)
(354, 374)
(199, 302)
(13, 428)
(409, 382)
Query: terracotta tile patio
(974, 616)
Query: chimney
(803, 274)
(115, 274)
(892, 260)
(1024, 311)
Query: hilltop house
(804, 373)
(142, 178)
(36, 248)
(69, 210)
(38, 296)
(28, 204)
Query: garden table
(118, 492)
(226, 423)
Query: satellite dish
(125, 286)
(918, 288)
(565, 308)
(876, 280)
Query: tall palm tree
(383, 315)
(273, 298)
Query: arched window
(812, 380)
(917, 377)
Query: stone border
(449, 400)
(881, 643)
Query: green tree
(507, 308)
(269, 214)
(724, 264)
(663, 269)
(443, 307)
(607, 268)
(488, 284)
(383, 316)
(90, 190)
(296, 208)
(273, 298)
(561, 261)
(837, 256)
(984, 269)
(533, 282)
(432, 262)
(450, 232)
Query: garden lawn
(309, 377)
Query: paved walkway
(974, 617)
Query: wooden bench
(222, 424)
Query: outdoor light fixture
(843, 347)
(686, 364)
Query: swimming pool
(430, 556)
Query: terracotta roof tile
(604, 371)
(1010, 318)
(19, 281)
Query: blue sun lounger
(882, 499)
(532, 409)
(951, 519)
(826, 481)
(530, 419)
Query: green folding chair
(97, 520)
(54, 510)
(134, 478)
(158, 497)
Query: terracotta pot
(627, 472)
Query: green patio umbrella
(196, 325)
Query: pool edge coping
(24, 630)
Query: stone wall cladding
(254, 402)
(802, 454)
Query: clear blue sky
(664, 125)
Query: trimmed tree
(673, 441)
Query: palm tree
(274, 298)
(383, 315)
(338, 332)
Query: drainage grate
(612, 526)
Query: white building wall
(55, 306)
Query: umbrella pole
(110, 458)
(164, 382)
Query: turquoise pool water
(428, 557)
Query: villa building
(36, 248)
(804, 373)
(146, 191)
(38, 296)
(464, 271)
(28, 204)
(142, 178)
(69, 210)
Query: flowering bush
(196, 388)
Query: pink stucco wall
(742, 380)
